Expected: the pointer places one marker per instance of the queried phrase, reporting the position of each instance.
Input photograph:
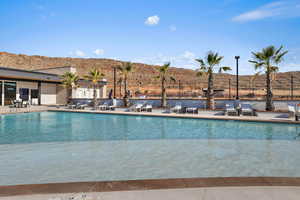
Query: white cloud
(77, 53)
(189, 55)
(172, 28)
(152, 20)
(185, 60)
(287, 8)
(98, 52)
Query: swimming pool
(52, 147)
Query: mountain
(142, 79)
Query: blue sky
(153, 31)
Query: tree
(163, 77)
(94, 75)
(70, 81)
(207, 66)
(125, 70)
(266, 61)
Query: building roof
(26, 75)
(20, 74)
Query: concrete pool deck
(218, 193)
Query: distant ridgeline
(142, 80)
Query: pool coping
(188, 116)
(149, 184)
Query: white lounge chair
(230, 110)
(103, 106)
(177, 109)
(114, 105)
(82, 106)
(297, 113)
(292, 110)
(246, 109)
(147, 108)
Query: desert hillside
(143, 81)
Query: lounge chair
(230, 110)
(193, 110)
(82, 106)
(297, 113)
(135, 108)
(103, 106)
(113, 105)
(71, 106)
(292, 110)
(246, 109)
(177, 109)
(147, 108)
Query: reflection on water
(62, 127)
(65, 147)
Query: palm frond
(224, 69)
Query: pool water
(50, 147)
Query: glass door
(10, 91)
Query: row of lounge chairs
(140, 107)
(81, 106)
(240, 109)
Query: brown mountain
(143, 77)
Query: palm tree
(70, 81)
(94, 76)
(125, 70)
(163, 76)
(266, 61)
(207, 66)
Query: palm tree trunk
(95, 97)
(269, 97)
(69, 95)
(125, 92)
(163, 93)
(210, 93)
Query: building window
(10, 91)
(24, 94)
(34, 94)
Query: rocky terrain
(142, 79)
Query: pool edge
(149, 184)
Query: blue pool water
(65, 147)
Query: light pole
(229, 87)
(292, 87)
(237, 76)
(115, 81)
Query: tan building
(42, 87)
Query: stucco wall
(61, 96)
(48, 93)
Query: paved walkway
(217, 193)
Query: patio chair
(230, 110)
(147, 108)
(103, 106)
(82, 106)
(177, 109)
(292, 110)
(71, 106)
(193, 110)
(246, 109)
(297, 113)
(113, 105)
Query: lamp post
(237, 76)
(292, 87)
(115, 81)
